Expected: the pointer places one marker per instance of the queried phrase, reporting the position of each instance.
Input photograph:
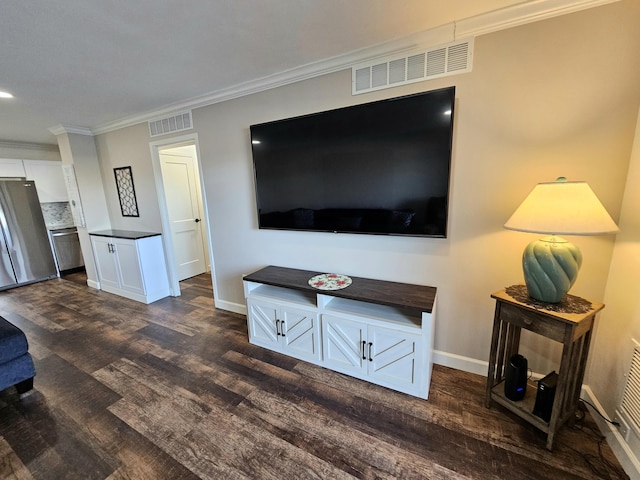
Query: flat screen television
(376, 168)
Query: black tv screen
(375, 168)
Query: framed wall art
(126, 192)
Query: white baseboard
(459, 362)
(93, 284)
(625, 454)
(230, 306)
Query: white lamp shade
(562, 208)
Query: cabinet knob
(197, 220)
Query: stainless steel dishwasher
(66, 246)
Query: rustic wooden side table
(569, 322)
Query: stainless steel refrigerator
(24, 242)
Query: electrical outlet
(624, 426)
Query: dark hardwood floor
(173, 390)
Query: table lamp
(551, 263)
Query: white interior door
(183, 207)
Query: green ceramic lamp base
(551, 266)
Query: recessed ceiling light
(5, 95)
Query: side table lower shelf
(523, 408)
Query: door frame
(186, 157)
(156, 147)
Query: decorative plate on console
(330, 281)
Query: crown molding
(60, 129)
(509, 17)
(434, 36)
(521, 14)
(29, 146)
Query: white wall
(529, 112)
(80, 151)
(129, 147)
(620, 321)
(557, 97)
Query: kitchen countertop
(58, 226)
(129, 234)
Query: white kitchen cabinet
(131, 264)
(11, 168)
(374, 330)
(107, 263)
(285, 328)
(49, 180)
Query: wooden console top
(394, 294)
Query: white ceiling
(88, 63)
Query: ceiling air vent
(449, 59)
(175, 123)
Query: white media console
(374, 330)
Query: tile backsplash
(57, 214)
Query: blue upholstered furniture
(16, 365)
